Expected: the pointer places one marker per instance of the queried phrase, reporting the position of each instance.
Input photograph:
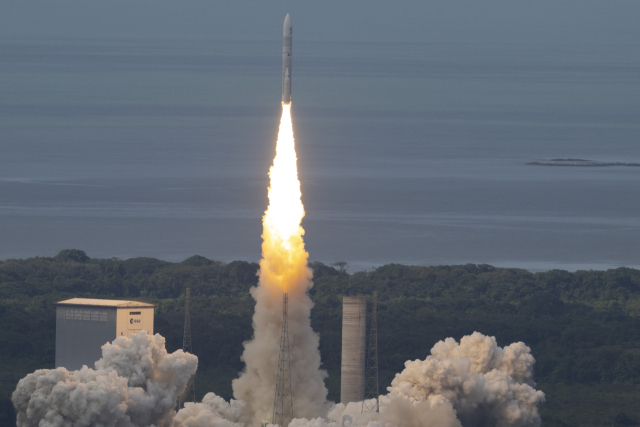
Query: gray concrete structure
(83, 326)
(354, 326)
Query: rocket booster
(287, 37)
(286, 89)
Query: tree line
(583, 327)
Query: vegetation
(583, 328)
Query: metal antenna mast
(283, 403)
(190, 391)
(371, 381)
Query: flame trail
(283, 268)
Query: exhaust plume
(485, 384)
(473, 383)
(135, 384)
(283, 268)
(214, 411)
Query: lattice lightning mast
(190, 392)
(283, 403)
(371, 381)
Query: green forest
(583, 328)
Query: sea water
(407, 153)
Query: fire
(283, 266)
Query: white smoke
(471, 383)
(256, 385)
(394, 412)
(283, 269)
(214, 411)
(135, 384)
(483, 383)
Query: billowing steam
(283, 268)
(473, 384)
(136, 383)
(484, 384)
(214, 411)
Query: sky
(459, 21)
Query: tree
(342, 266)
(72, 255)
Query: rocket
(287, 37)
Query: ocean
(407, 153)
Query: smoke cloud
(214, 411)
(256, 385)
(283, 268)
(483, 383)
(473, 383)
(135, 384)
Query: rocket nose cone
(287, 28)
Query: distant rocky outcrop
(578, 162)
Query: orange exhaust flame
(283, 267)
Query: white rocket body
(287, 38)
(286, 94)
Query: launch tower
(190, 391)
(283, 403)
(371, 381)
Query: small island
(578, 162)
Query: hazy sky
(543, 21)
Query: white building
(84, 325)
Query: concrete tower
(354, 325)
